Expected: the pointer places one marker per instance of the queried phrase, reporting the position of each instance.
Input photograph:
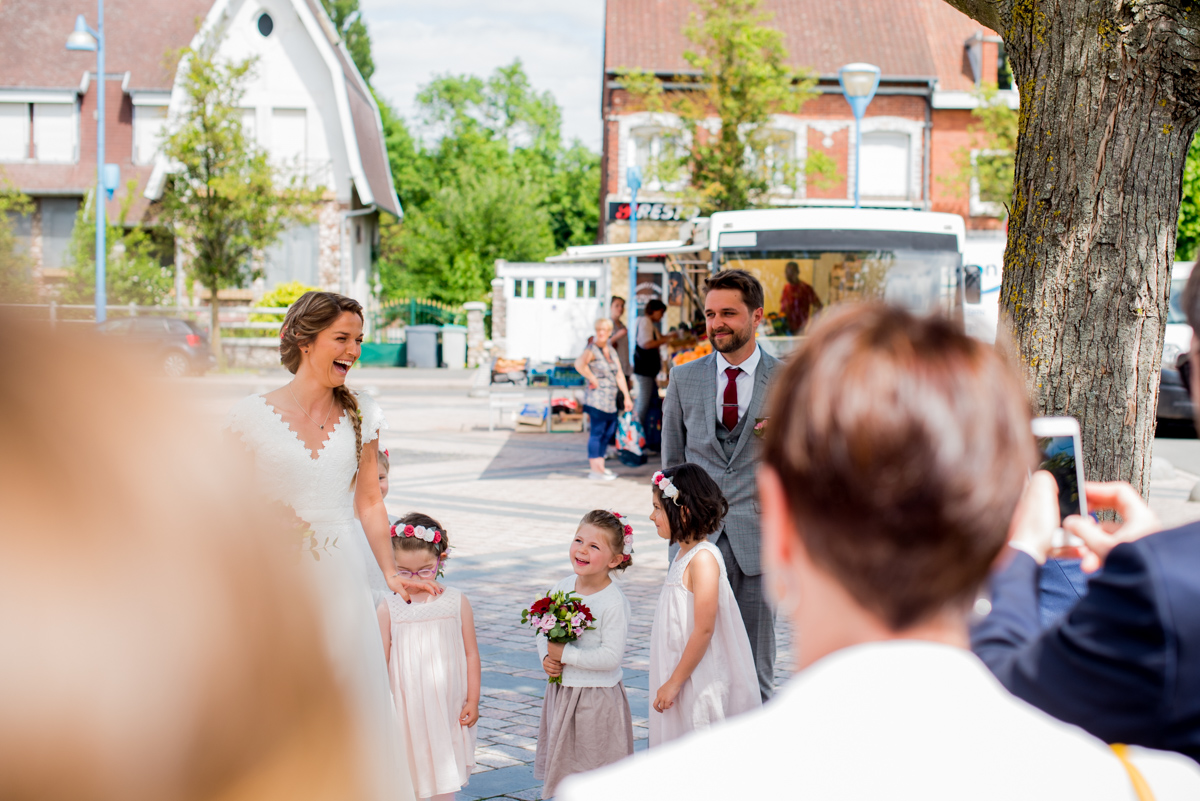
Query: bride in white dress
(310, 439)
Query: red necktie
(729, 408)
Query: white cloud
(559, 43)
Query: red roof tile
(905, 38)
(139, 36)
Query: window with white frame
(250, 125)
(55, 132)
(991, 178)
(776, 158)
(149, 127)
(884, 163)
(652, 150)
(15, 123)
(289, 136)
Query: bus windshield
(799, 282)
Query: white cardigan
(594, 660)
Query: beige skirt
(582, 728)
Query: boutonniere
(760, 426)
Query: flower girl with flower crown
(433, 664)
(586, 723)
(701, 668)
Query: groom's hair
(745, 283)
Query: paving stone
(528, 720)
(508, 706)
(499, 782)
(492, 760)
(515, 740)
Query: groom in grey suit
(709, 416)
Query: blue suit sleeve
(1102, 666)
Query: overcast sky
(559, 41)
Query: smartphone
(1059, 453)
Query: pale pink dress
(725, 683)
(428, 671)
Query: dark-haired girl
(701, 667)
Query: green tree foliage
(347, 19)
(16, 282)
(990, 159)
(1187, 236)
(744, 79)
(138, 266)
(226, 201)
(492, 181)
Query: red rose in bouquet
(560, 617)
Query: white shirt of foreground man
(901, 719)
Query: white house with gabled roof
(305, 103)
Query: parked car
(173, 346)
(1176, 408)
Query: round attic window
(265, 24)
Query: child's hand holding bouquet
(560, 617)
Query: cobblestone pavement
(510, 501)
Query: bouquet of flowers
(560, 617)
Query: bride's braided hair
(307, 317)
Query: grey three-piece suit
(692, 432)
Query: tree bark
(1108, 107)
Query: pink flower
(394, 531)
(437, 536)
(629, 531)
(408, 531)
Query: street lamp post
(859, 82)
(633, 177)
(84, 38)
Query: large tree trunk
(1108, 108)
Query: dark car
(175, 347)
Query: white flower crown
(665, 486)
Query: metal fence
(246, 322)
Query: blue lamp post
(859, 82)
(84, 38)
(633, 177)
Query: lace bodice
(675, 571)
(318, 489)
(448, 605)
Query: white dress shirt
(745, 381)
(889, 721)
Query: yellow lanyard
(1140, 787)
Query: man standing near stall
(711, 418)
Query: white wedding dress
(320, 492)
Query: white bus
(910, 258)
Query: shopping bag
(629, 434)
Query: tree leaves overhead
(1187, 237)
(489, 179)
(347, 19)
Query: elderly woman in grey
(601, 367)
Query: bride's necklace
(309, 416)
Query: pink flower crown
(627, 533)
(430, 535)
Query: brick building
(932, 59)
(305, 104)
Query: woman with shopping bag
(600, 367)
